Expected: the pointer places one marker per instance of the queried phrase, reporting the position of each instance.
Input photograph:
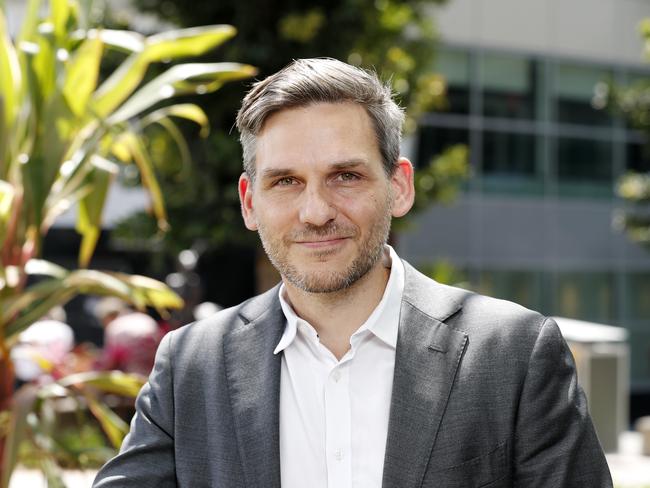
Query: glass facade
(508, 86)
(534, 132)
(531, 124)
(574, 91)
(607, 297)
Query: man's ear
(403, 188)
(245, 188)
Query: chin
(326, 281)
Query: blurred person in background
(130, 338)
(357, 370)
(42, 348)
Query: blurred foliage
(445, 272)
(67, 128)
(397, 38)
(52, 427)
(633, 104)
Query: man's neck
(336, 316)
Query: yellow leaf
(82, 74)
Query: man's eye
(286, 181)
(348, 177)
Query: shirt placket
(338, 427)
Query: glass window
(508, 86)
(518, 286)
(508, 154)
(584, 167)
(638, 157)
(635, 79)
(433, 140)
(639, 341)
(574, 92)
(637, 298)
(454, 65)
(586, 296)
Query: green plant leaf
(91, 206)
(10, 77)
(128, 41)
(45, 268)
(7, 196)
(30, 22)
(119, 85)
(180, 80)
(149, 180)
(23, 403)
(189, 111)
(35, 311)
(165, 46)
(118, 382)
(194, 41)
(52, 473)
(60, 12)
(151, 291)
(178, 137)
(82, 74)
(114, 427)
(43, 63)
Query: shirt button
(336, 376)
(338, 455)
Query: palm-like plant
(64, 131)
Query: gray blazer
(484, 395)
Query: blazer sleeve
(146, 458)
(555, 442)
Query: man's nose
(316, 208)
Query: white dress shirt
(334, 414)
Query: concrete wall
(522, 233)
(594, 29)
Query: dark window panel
(508, 154)
(433, 140)
(584, 160)
(586, 296)
(508, 86)
(638, 157)
(453, 64)
(574, 93)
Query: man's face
(321, 200)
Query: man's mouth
(322, 241)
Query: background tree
(633, 103)
(65, 131)
(398, 38)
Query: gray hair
(321, 80)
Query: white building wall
(604, 30)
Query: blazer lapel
(427, 358)
(253, 375)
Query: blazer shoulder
(210, 331)
(469, 311)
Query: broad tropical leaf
(114, 427)
(182, 79)
(187, 111)
(82, 74)
(23, 405)
(186, 42)
(167, 46)
(116, 382)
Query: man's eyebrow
(349, 164)
(270, 173)
(275, 172)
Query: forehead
(317, 134)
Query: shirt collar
(383, 322)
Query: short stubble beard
(369, 254)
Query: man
(356, 371)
